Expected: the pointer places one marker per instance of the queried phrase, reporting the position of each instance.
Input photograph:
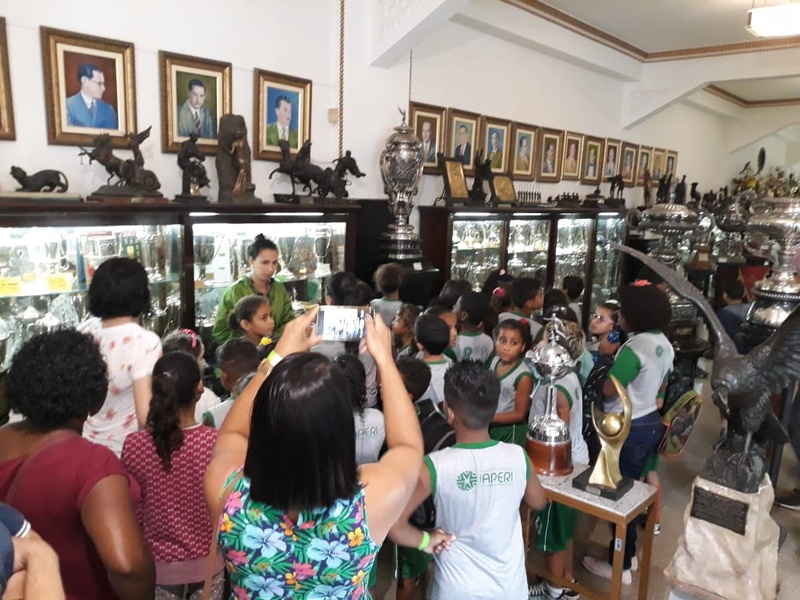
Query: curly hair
(56, 378)
(119, 288)
(644, 307)
(176, 376)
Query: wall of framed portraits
(243, 52)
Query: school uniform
(513, 432)
(473, 346)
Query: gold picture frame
(455, 181)
(428, 123)
(461, 137)
(611, 152)
(591, 165)
(573, 149)
(659, 163)
(277, 97)
(671, 165)
(628, 159)
(548, 155)
(523, 160)
(644, 163)
(195, 93)
(7, 130)
(495, 142)
(89, 87)
(502, 187)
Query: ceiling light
(774, 21)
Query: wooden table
(621, 513)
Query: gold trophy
(605, 479)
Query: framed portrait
(281, 111)
(573, 147)
(659, 164)
(195, 93)
(523, 151)
(461, 137)
(428, 122)
(7, 131)
(644, 163)
(455, 183)
(611, 158)
(548, 156)
(672, 162)
(502, 188)
(89, 87)
(628, 156)
(495, 143)
(591, 168)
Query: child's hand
(378, 339)
(440, 540)
(298, 335)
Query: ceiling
(657, 30)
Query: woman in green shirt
(263, 258)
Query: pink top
(173, 511)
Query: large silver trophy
(401, 168)
(731, 219)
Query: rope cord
(341, 77)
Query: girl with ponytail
(169, 459)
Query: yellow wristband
(426, 539)
(274, 358)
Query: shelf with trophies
(471, 242)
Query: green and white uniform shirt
(386, 308)
(570, 386)
(473, 346)
(641, 365)
(508, 383)
(435, 389)
(477, 489)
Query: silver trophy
(204, 253)
(401, 167)
(732, 221)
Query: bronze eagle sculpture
(742, 386)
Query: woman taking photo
(316, 533)
(262, 255)
(75, 494)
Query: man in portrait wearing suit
(428, 144)
(193, 117)
(549, 162)
(86, 108)
(464, 148)
(522, 160)
(495, 150)
(281, 129)
(611, 163)
(591, 163)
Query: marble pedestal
(718, 562)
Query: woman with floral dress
(300, 519)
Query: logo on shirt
(467, 353)
(466, 480)
(366, 432)
(659, 351)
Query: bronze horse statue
(316, 179)
(131, 171)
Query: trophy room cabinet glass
(477, 247)
(574, 235)
(45, 273)
(528, 246)
(606, 268)
(307, 252)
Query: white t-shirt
(435, 389)
(386, 308)
(215, 415)
(473, 346)
(207, 400)
(370, 434)
(130, 351)
(570, 386)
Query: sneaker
(602, 569)
(635, 563)
(570, 594)
(538, 591)
(657, 529)
(790, 500)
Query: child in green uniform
(510, 423)
(472, 342)
(388, 278)
(403, 329)
(433, 335)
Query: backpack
(593, 392)
(436, 435)
(680, 426)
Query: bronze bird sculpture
(742, 386)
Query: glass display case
(606, 268)
(477, 247)
(528, 244)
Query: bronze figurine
(233, 162)
(48, 180)
(190, 161)
(314, 178)
(132, 178)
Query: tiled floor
(676, 477)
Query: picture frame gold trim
(627, 149)
(546, 137)
(499, 125)
(455, 181)
(592, 173)
(55, 44)
(571, 138)
(262, 150)
(419, 111)
(672, 155)
(658, 161)
(617, 145)
(203, 67)
(451, 144)
(515, 168)
(640, 167)
(7, 128)
(502, 187)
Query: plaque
(719, 510)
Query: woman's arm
(107, 515)
(142, 395)
(522, 403)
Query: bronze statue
(132, 178)
(314, 178)
(483, 173)
(617, 186)
(48, 180)
(648, 188)
(190, 161)
(233, 162)
(742, 387)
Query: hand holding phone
(340, 323)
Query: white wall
(457, 67)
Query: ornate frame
(7, 130)
(262, 80)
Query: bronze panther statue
(48, 180)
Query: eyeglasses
(99, 83)
(596, 317)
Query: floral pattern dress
(326, 555)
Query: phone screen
(340, 323)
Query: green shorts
(410, 563)
(651, 464)
(512, 434)
(555, 525)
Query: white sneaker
(602, 569)
(635, 563)
(538, 591)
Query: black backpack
(436, 434)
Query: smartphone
(340, 323)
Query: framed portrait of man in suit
(611, 159)
(573, 146)
(591, 167)
(627, 166)
(195, 93)
(659, 164)
(548, 159)
(495, 143)
(644, 164)
(89, 87)
(6, 105)
(461, 138)
(428, 123)
(672, 163)
(522, 163)
(281, 112)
